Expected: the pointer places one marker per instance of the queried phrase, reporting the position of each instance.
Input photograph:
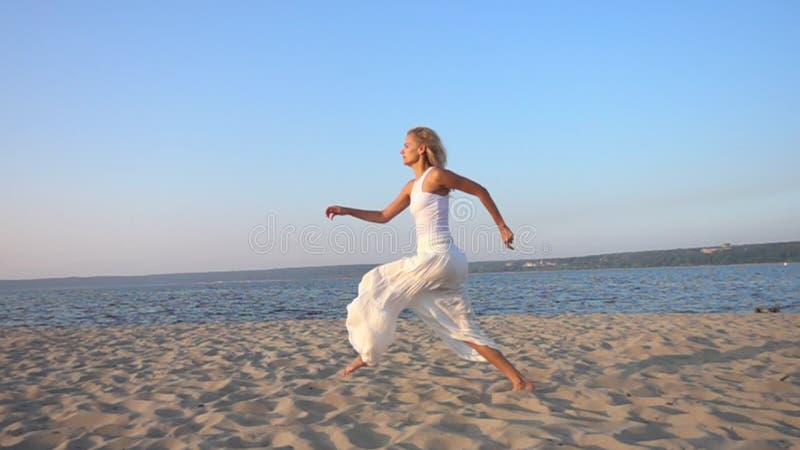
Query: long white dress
(431, 283)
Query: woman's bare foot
(524, 385)
(355, 365)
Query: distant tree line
(721, 255)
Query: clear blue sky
(154, 137)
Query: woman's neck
(420, 168)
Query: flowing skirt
(431, 283)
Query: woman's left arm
(451, 180)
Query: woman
(432, 282)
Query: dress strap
(422, 178)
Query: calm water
(688, 289)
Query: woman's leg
(519, 382)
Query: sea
(699, 289)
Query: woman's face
(410, 150)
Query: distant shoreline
(724, 254)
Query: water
(706, 289)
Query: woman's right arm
(396, 207)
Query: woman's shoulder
(408, 186)
(441, 175)
(439, 171)
(441, 178)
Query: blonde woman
(432, 282)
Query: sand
(711, 381)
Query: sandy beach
(711, 381)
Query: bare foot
(355, 365)
(525, 385)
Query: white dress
(431, 283)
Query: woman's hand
(507, 236)
(335, 210)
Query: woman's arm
(396, 207)
(451, 180)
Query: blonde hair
(434, 149)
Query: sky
(192, 136)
